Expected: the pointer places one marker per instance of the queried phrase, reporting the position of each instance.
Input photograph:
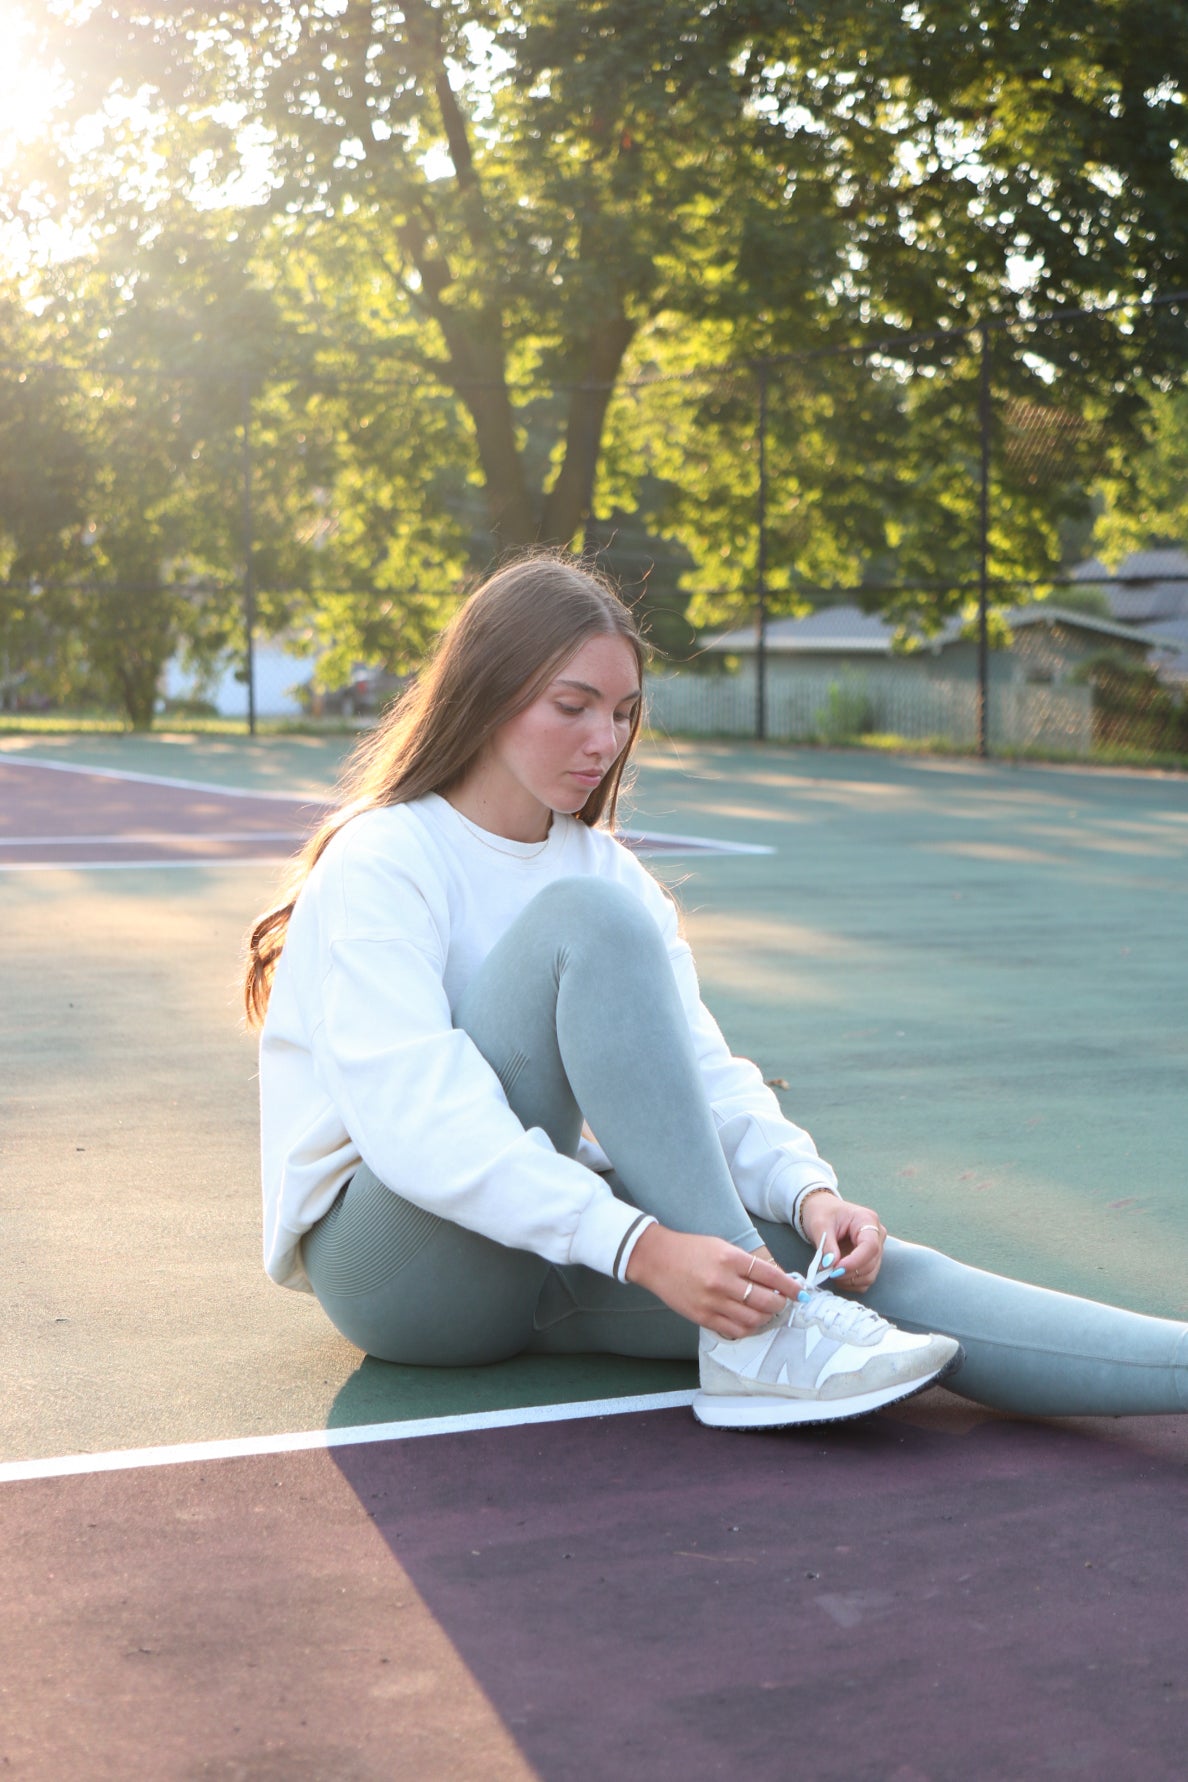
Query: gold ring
(750, 1289)
(754, 1260)
(863, 1228)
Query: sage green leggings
(577, 1011)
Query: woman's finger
(868, 1245)
(863, 1262)
(743, 1303)
(757, 1271)
(753, 1305)
(746, 1318)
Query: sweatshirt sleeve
(773, 1162)
(426, 1111)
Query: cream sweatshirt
(360, 1060)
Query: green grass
(888, 743)
(104, 724)
(58, 724)
(1108, 755)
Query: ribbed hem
(802, 1196)
(787, 1183)
(632, 1237)
(603, 1230)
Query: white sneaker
(819, 1360)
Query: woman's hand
(731, 1291)
(854, 1234)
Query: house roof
(1046, 612)
(1171, 661)
(1170, 631)
(847, 630)
(1146, 586)
(832, 628)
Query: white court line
(273, 859)
(157, 779)
(118, 1460)
(700, 844)
(665, 843)
(139, 865)
(162, 837)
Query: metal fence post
(249, 576)
(984, 421)
(761, 560)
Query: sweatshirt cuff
(798, 1204)
(633, 1235)
(606, 1234)
(788, 1183)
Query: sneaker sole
(722, 1411)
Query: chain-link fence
(974, 616)
(1061, 682)
(859, 705)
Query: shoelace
(841, 1316)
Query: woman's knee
(596, 911)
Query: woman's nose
(600, 739)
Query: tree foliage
(474, 256)
(1144, 494)
(134, 542)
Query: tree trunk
(567, 505)
(139, 687)
(476, 359)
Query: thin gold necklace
(481, 835)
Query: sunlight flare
(26, 90)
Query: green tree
(127, 539)
(536, 203)
(44, 478)
(1144, 495)
(535, 182)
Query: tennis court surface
(235, 1548)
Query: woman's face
(557, 750)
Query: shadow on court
(933, 1594)
(899, 1597)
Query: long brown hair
(499, 652)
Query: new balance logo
(795, 1361)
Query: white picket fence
(824, 706)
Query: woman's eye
(571, 711)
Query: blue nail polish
(803, 1296)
